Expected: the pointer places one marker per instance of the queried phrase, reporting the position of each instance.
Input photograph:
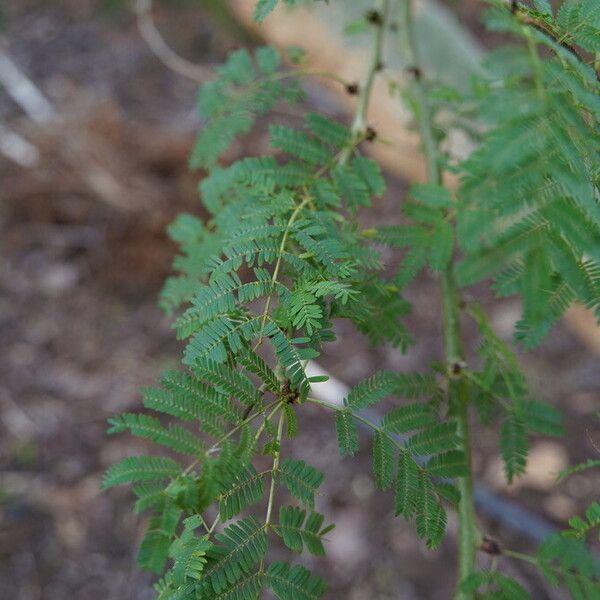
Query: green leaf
(242, 545)
(140, 468)
(267, 59)
(263, 8)
(514, 445)
(371, 390)
(149, 495)
(300, 479)
(230, 382)
(299, 530)
(431, 517)
(448, 464)
(298, 144)
(189, 399)
(543, 6)
(351, 186)
(347, 433)
(189, 552)
(415, 385)
(505, 588)
(432, 194)
(328, 131)
(240, 490)
(591, 463)
(154, 551)
(442, 245)
(407, 486)
(543, 418)
(294, 582)
(370, 173)
(409, 418)
(438, 438)
(155, 545)
(174, 437)
(254, 363)
(383, 460)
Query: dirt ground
(83, 257)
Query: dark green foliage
(281, 256)
(383, 460)
(294, 583)
(591, 463)
(347, 432)
(504, 388)
(264, 7)
(301, 480)
(513, 440)
(240, 548)
(529, 208)
(496, 586)
(240, 490)
(566, 561)
(417, 490)
(297, 529)
(140, 468)
(244, 88)
(174, 437)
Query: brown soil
(82, 264)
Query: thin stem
(371, 425)
(453, 348)
(359, 124)
(537, 67)
(468, 536)
(231, 432)
(275, 275)
(275, 470)
(215, 523)
(533, 560)
(265, 421)
(520, 556)
(410, 54)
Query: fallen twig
(156, 43)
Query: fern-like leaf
(242, 545)
(299, 530)
(347, 433)
(301, 480)
(140, 468)
(294, 582)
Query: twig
(156, 43)
(508, 513)
(22, 90)
(378, 19)
(16, 148)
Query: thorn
(352, 89)
(374, 17)
(379, 66)
(490, 546)
(458, 367)
(415, 72)
(247, 412)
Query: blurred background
(95, 131)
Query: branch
(509, 514)
(378, 17)
(156, 43)
(22, 90)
